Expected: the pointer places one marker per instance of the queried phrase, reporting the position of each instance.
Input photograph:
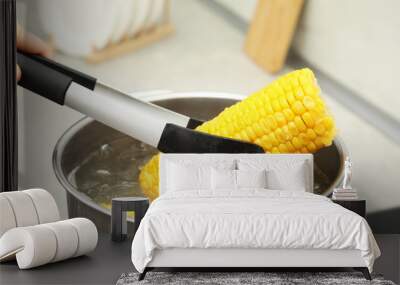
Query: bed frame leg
(364, 271)
(143, 274)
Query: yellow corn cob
(287, 116)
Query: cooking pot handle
(48, 78)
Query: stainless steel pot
(89, 140)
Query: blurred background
(233, 46)
(163, 49)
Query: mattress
(250, 219)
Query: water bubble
(105, 151)
(103, 172)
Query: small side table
(356, 206)
(119, 207)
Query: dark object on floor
(364, 271)
(8, 99)
(143, 274)
(216, 278)
(121, 205)
(356, 206)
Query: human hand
(30, 43)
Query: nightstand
(356, 206)
(120, 205)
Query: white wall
(357, 43)
(242, 8)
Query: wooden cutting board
(271, 32)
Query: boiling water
(112, 170)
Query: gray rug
(269, 278)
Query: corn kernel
(298, 108)
(297, 143)
(290, 147)
(304, 150)
(311, 134)
(258, 130)
(266, 142)
(328, 122)
(309, 103)
(311, 147)
(272, 122)
(319, 129)
(283, 102)
(275, 106)
(283, 148)
(273, 139)
(250, 133)
(280, 119)
(290, 98)
(308, 119)
(279, 134)
(293, 129)
(288, 114)
(299, 94)
(286, 132)
(300, 124)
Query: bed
(211, 214)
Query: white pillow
(292, 179)
(223, 179)
(251, 178)
(188, 174)
(181, 178)
(282, 174)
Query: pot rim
(150, 97)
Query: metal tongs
(164, 129)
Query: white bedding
(252, 218)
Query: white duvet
(252, 218)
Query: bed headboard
(197, 159)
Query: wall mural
(99, 162)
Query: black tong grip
(49, 78)
(177, 139)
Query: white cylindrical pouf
(67, 239)
(45, 205)
(23, 208)
(40, 244)
(7, 218)
(87, 234)
(34, 246)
